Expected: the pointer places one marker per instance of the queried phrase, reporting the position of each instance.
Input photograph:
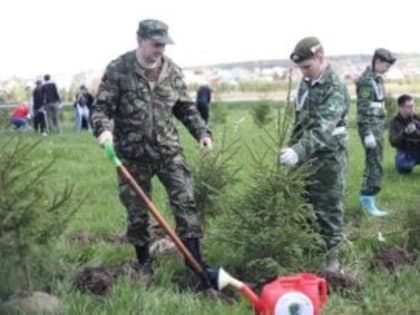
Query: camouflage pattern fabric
(371, 115)
(176, 177)
(320, 134)
(155, 30)
(146, 138)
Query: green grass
(80, 160)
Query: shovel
(209, 278)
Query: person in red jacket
(19, 117)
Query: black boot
(209, 275)
(144, 259)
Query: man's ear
(320, 56)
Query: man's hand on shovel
(105, 137)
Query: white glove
(104, 137)
(206, 143)
(411, 127)
(370, 142)
(288, 156)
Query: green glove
(112, 156)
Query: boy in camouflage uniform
(371, 114)
(320, 134)
(141, 91)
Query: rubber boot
(209, 276)
(368, 203)
(144, 259)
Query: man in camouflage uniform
(141, 91)
(371, 114)
(320, 134)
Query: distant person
(371, 114)
(203, 101)
(19, 117)
(82, 106)
(40, 124)
(404, 135)
(51, 101)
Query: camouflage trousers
(372, 176)
(326, 194)
(176, 177)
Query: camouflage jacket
(401, 140)
(321, 116)
(371, 111)
(142, 115)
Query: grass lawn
(80, 160)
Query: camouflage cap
(385, 55)
(156, 30)
(305, 49)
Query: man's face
(382, 66)
(150, 49)
(407, 109)
(311, 68)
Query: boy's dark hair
(47, 77)
(403, 99)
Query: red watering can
(303, 294)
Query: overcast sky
(62, 36)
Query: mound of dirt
(130, 269)
(94, 280)
(30, 303)
(342, 282)
(133, 271)
(163, 247)
(392, 258)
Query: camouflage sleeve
(320, 134)
(365, 95)
(104, 106)
(297, 127)
(186, 111)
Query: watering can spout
(225, 279)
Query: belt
(339, 131)
(376, 104)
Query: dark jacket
(37, 98)
(86, 99)
(89, 100)
(203, 95)
(399, 138)
(50, 93)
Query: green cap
(306, 48)
(155, 30)
(385, 55)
